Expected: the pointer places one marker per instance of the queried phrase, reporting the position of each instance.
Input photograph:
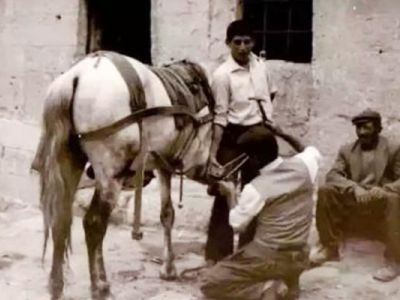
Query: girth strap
(135, 117)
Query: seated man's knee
(326, 189)
(392, 202)
(325, 193)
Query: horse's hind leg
(95, 224)
(168, 270)
(60, 233)
(60, 213)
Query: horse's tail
(59, 160)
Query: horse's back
(102, 98)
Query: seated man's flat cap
(366, 115)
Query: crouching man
(280, 198)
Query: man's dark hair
(238, 27)
(259, 143)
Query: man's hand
(378, 193)
(214, 168)
(228, 190)
(361, 195)
(375, 193)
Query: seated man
(365, 176)
(280, 197)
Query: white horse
(89, 117)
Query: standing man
(236, 84)
(281, 198)
(364, 181)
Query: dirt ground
(132, 265)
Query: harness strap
(139, 178)
(130, 76)
(135, 117)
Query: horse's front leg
(95, 224)
(168, 270)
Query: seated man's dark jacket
(346, 171)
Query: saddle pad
(175, 79)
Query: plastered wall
(355, 65)
(38, 40)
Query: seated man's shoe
(322, 254)
(388, 273)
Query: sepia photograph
(199, 149)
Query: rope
(180, 205)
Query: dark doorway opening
(122, 26)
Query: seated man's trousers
(335, 210)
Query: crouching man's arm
(248, 206)
(243, 207)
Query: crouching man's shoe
(322, 254)
(388, 273)
(275, 290)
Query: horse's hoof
(58, 297)
(168, 272)
(102, 291)
(102, 297)
(56, 289)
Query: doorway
(122, 26)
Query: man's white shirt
(233, 85)
(250, 202)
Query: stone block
(42, 30)
(20, 7)
(15, 162)
(50, 59)
(25, 188)
(17, 135)
(10, 96)
(36, 84)
(12, 59)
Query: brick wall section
(37, 41)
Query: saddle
(182, 81)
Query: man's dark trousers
(242, 276)
(220, 234)
(335, 209)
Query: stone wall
(196, 30)
(40, 42)
(37, 41)
(355, 65)
(192, 29)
